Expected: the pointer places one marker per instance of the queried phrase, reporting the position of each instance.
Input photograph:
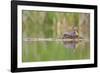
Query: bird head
(75, 29)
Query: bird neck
(77, 33)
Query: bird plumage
(71, 35)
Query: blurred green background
(36, 24)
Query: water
(34, 51)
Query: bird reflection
(70, 44)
